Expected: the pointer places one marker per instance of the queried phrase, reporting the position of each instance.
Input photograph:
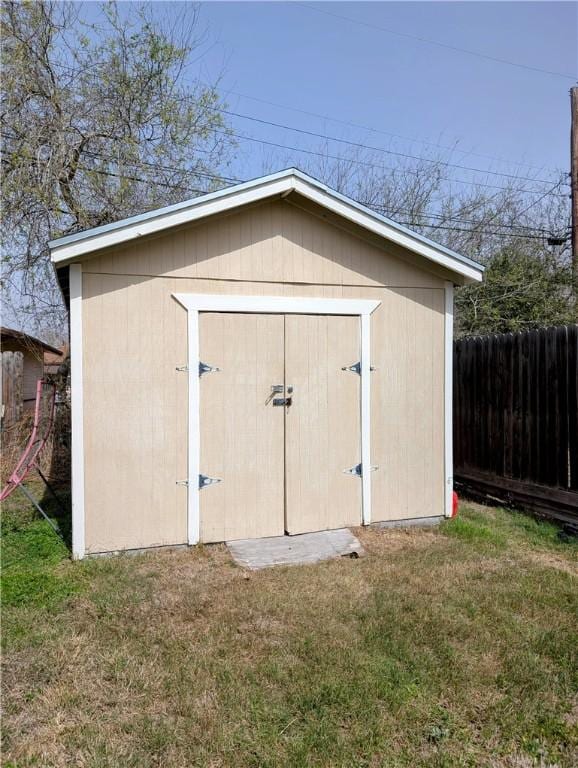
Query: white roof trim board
(72, 248)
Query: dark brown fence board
(562, 412)
(516, 415)
(573, 405)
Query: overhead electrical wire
(76, 70)
(215, 177)
(391, 211)
(203, 174)
(360, 145)
(367, 164)
(429, 41)
(404, 223)
(531, 205)
(413, 140)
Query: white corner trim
(76, 398)
(366, 417)
(448, 398)
(194, 441)
(195, 303)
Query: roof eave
(74, 247)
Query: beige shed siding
(242, 433)
(274, 242)
(407, 404)
(135, 413)
(135, 334)
(323, 431)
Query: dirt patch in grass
(383, 540)
(438, 647)
(550, 560)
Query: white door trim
(195, 303)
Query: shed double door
(280, 467)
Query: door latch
(278, 389)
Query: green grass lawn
(453, 647)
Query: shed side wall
(33, 370)
(135, 335)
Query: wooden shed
(271, 358)
(33, 352)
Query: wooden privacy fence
(516, 419)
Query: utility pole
(574, 188)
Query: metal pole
(31, 499)
(52, 491)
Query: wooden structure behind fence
(12, 383)
(516, 419)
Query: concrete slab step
(295, 550)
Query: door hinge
(204, 481)
(356, 368)
(203, 368)
(206, 368)
(357, 470)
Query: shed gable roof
(76, 247)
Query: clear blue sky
(292, 55)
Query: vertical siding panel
(277, 242)
(234, 259)
(297, 223)
(322, 426)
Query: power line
(404, 223)
(389, 133)
(549, 191)
(362, 163)
(216, 177)
(374, 165)
(359, 145)
(478, 231)
(173, 169)
(372, 206)
(392, 212)
(385, 210)
(429, 41)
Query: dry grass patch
(453, 647)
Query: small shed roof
(13, 338)
(75, 247)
